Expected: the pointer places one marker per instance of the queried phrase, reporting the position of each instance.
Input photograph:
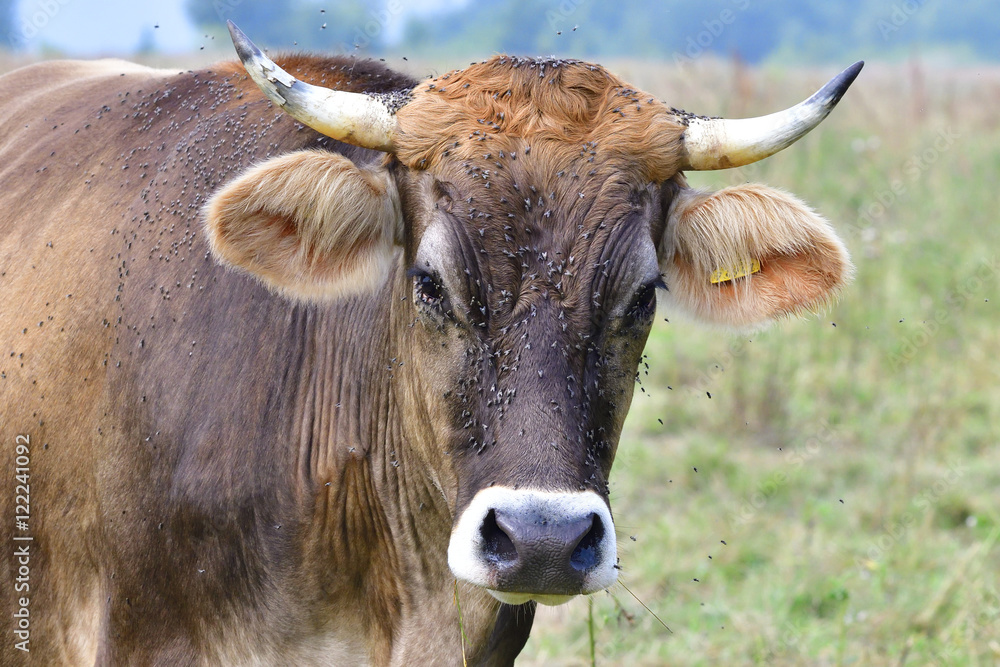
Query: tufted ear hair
(746, 255)
(310, 225)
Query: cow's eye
(644, 305)
(428, 291)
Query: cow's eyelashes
(644, 304)
(428, 291)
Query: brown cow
(407, 396)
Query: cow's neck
(381, 517)
(357, 432)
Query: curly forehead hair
(494, 103)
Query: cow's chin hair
(521, 598)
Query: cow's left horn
(721, 143)
(354, 118)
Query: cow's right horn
(354, 118)
(721, 143)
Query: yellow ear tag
(742, 269)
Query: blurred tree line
(755, 30)
(339, 25)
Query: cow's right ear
(310, 225)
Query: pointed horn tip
(712, 143)
(848, 76)
(245, 48)
(237, 35)
(830, 94)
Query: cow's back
(56, 265)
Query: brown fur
(565, 103)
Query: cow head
(540, 211)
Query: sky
(82, 28)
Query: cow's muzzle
(535, 545)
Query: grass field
(836, 498)
(826, 492)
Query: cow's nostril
(518, 543)
(585, 556)
(498, 546)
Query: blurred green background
(825, 492)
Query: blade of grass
(590, 626)
(461, 625)
(645, 607)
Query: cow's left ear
(310, 225)
(746, 255)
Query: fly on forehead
(569, 252)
